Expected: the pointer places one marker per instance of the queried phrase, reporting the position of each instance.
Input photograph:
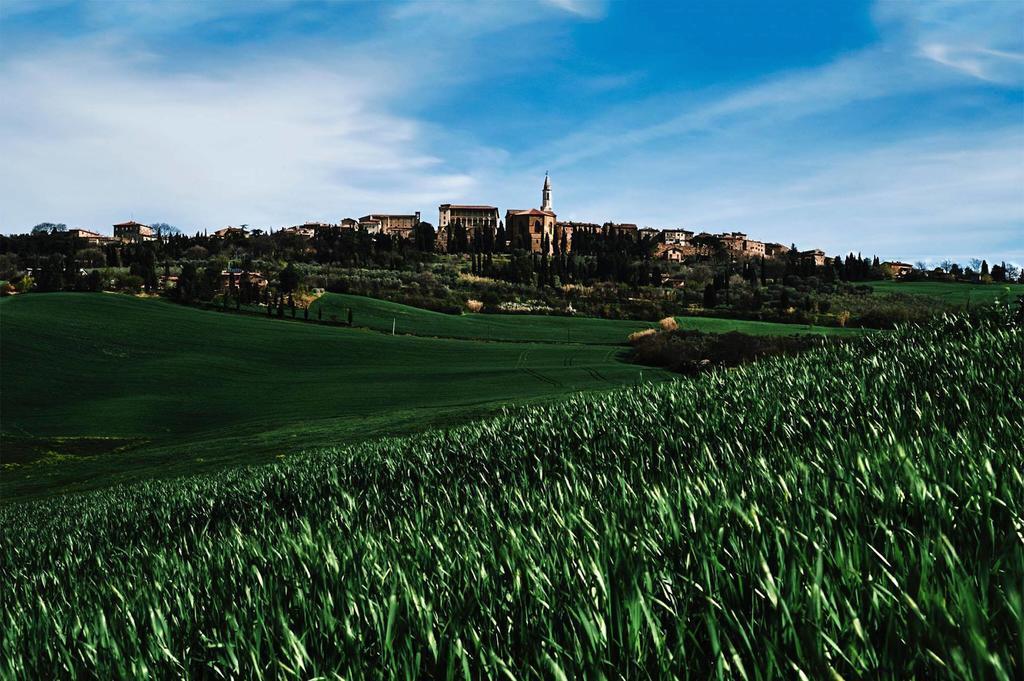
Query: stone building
(132, 232)
(816, 256)
(676, 237)
(395, 225)
(88, 236)
(537, 229)
(773, 250)
(474, 219)
(739, 244)
(231, 231)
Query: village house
(676, 237)
(225, 232)
(400, 226)
(671, 252)
(649, 233)
(739, 244)
(133, 232)
(348, 223)
(88, 236)
(307, 230)
(772, 250)
(817, 256)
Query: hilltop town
(464, 227)
(475, 259)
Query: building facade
(536, 229)
(88, 236)
(476, 220)
(395, 225)
(738, 244)
(132, 232)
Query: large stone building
(739, 244)
(475, 220)
(394, 225)
(132, 232)
(537, 229)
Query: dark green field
(382, 314)
(956, 293)
(853, 512)
(98, 388)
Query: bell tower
(545, 203)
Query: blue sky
(894, 128)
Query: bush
(668, 324)
(474, 305)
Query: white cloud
(95, 138)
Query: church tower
(545, 203)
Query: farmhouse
(899, 269)
(132, 232)
(234, 277)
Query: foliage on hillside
(855, 511)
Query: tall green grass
(853, 512)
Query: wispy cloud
(911, 145)
(270, 141)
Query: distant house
(816, 256)
(88, 237)
(673, 253)
(739, 244)
(305, 230)
(649, 233)
(626, 229)
(132, 232)
(234, 277)
(231, 231)
(394, 225)
(371, 226)
(676, 237)
(772, 250)
(899, 269)
(348, 223)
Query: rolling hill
(97, 388)
(956, 293)
(381, 314)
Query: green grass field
(853, 512)
(956, 293)
(381, 314)
(97, 388)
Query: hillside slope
(853, 512)
(384, 315)
(173, 389)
